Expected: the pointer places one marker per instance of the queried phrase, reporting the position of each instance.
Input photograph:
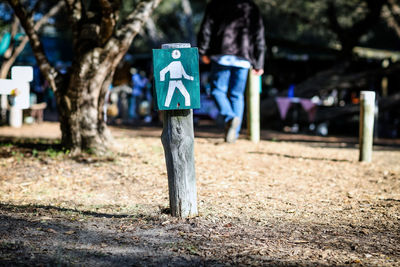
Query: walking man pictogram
(176, 72)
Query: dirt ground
(291, 200)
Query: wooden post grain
(178, 142)
(253, 107)
(367, 105)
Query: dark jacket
(233, 27)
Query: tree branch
(395, 7)
(54, 10)
(373, 15)
(75, 11)
(14, 28)
(74, 8)
(118, 45)
(133, 23)
(155, 36)
(35, 7)
(108, 19)
(30, 28)
(390, 12)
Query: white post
(367, 105)
(178, 142)
(19, 87)
(16, 117)
(253, 107)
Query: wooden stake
(178, 142)
(367, 105)
(253, 107)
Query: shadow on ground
(46, 235)
(40, 144)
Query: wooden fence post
(253, 106)
(367, 105)
(178, 142)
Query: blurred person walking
(139, 84)
(231, 39)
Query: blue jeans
(227, 87)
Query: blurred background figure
(231, 38)
(139, 106)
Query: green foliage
(19, 156)
(53, 153)
(21, 149)
(6, 145)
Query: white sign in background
(18, 86)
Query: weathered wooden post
(177, 85)
(253, 106)
(367, 105)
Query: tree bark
(80, 106)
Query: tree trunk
(80, 107)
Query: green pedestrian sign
(176, 78)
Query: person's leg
(237, 88)
(219, 81)
(132, 107)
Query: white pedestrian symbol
(176, 71)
